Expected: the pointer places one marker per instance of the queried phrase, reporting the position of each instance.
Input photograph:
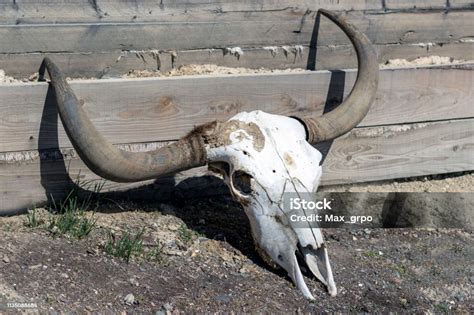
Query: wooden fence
(422, 121)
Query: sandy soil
(208, 69)
(211, 69)
(422, 61)
(217, 269)
(205, 69)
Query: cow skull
(261, 157)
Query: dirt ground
(204, 260)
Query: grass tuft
(442, 308)
(185, 234)
(71, 218)
(126, 246)
(32, 220)
(72, 222)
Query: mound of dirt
(212, 69)
(205, 69)
(421, 61)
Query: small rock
(65, 276)
(403, 301)
(168, 307)
(471, 279)
(223, 298)
(35, 267)
(369, 286)
(134, 282)
(174, 226)
(130, 299)
(6, 259)
(165, 309)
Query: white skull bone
(261, 157)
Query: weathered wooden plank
(254, 29)
(160, 109)
(365, 154)
(58, 11)
(461, 4)
(32, 185)
(369, 154)
(29, 12)
(415, 4)
(115, 64)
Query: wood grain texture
(468, 4)
(365, 154)
(254, 29)
(160, 109)
(369, 154)
(415, 4)
(57, 11)
(116, 64)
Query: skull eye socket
(242, 182)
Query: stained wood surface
(377, 153)
(235, 28)
(415, 4)
(365, 154)
(116, 64)
(92, 38)
(21, 12)
(160, 109)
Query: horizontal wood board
(57, 11)
(118, 63)
(365, 154)
(235, 28)
(160, 109)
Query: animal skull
(261, 157)
(264, 157)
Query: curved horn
(350, 113)
(108, 161)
